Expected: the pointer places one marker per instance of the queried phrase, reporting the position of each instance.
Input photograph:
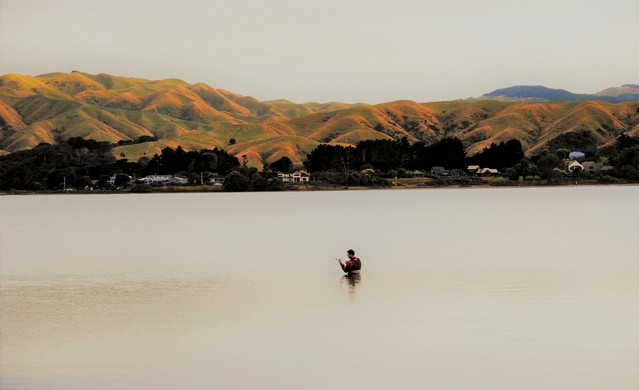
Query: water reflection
(352, 280)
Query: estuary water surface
(532, 288)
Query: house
(439, 171)
(178, 180)
(575, 167)
(576, 155)
(155, 179)
(488, 172)
(295, 177)
(591, 166)
(162, 180)
(217, 181)
(472, 169)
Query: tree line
(387, 155)
(79, 163)
(397, 157)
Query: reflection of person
(352, 280)
(353, 265)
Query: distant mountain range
(625, 93)
(196, 116)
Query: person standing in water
(353, 265)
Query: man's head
(351, 253)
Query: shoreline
(309, 188)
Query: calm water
(461, 289)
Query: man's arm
(346, 267)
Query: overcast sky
(332, 50)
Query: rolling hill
(196, 116)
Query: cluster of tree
(549, 164)
(577, 140)
(396, 157)
(351, 178)
(140, 140)
(284, 165)
(624, 156)
(499, 156)
(178, 161)
(249, 179)
(76, 162)
(386, 155)
(70, 163)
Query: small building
(575, 155)
(295, 177)
(216, 180)
(472, 169)
(591, 166)
(575, 167)
(488, 172)
(178, 180)
(154, 179)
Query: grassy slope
(481, 123)
(113, 108)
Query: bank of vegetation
(77, 164)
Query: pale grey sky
(332, 50)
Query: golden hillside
(112, 108)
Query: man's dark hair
(351, 252)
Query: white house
(295, 177)
(472, 169)
(575, 166)
(488, 172)
(154, 179)
(162, 179)
(217, 180)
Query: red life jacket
(357, 264)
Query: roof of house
(575, 164)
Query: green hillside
(116, 109)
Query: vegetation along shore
(82, 132)
(88, 166)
